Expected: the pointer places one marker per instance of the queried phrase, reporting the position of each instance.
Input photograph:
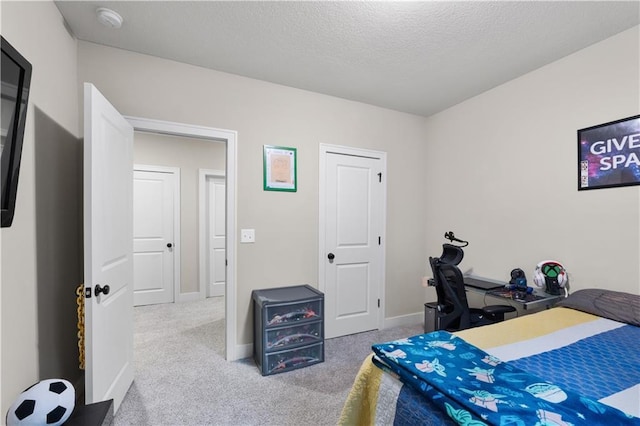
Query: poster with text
(609, 154)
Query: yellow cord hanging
(80, 302)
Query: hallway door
(156, 195)
(216, 236)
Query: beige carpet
(182, 377)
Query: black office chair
(453, 309)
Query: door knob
(102, 289)
(169, 245)
(331, 256)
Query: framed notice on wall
(609, 154)
(279, 168)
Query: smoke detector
(109, 18)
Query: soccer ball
(48, 402)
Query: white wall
(36, 30)
(189, 155)
(502, 169)
(286, 224)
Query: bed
(577, 363)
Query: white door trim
(358, 152)
(175, 171)
(230, 137)
(203, 252)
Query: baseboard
(403, 320)
(244, 351)
(189, 297)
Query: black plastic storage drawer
(292, 313)
(288, 330)
(290, 337)
(279, 362)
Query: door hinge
(378, 303)
(226, 263)
(380, 177)
(379, 240)
(87, 292)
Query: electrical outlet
(247, 235)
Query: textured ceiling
(416, 57)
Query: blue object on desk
(521, 283)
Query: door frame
(325, 149)
(203, 243)
(175, 171)
(230, 138)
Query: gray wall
(189, 155)
(59, 247)
(40, 258)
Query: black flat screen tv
(16, 79)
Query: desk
(483, 289)
(538, 300)
(535, 301)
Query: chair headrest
(451, 254)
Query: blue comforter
(474, 388)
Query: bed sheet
(545, 344)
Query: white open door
(108, 250)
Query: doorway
(156, 220)
(227, 140)
(212, 235)
(352, 238)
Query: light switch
(247, 235)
